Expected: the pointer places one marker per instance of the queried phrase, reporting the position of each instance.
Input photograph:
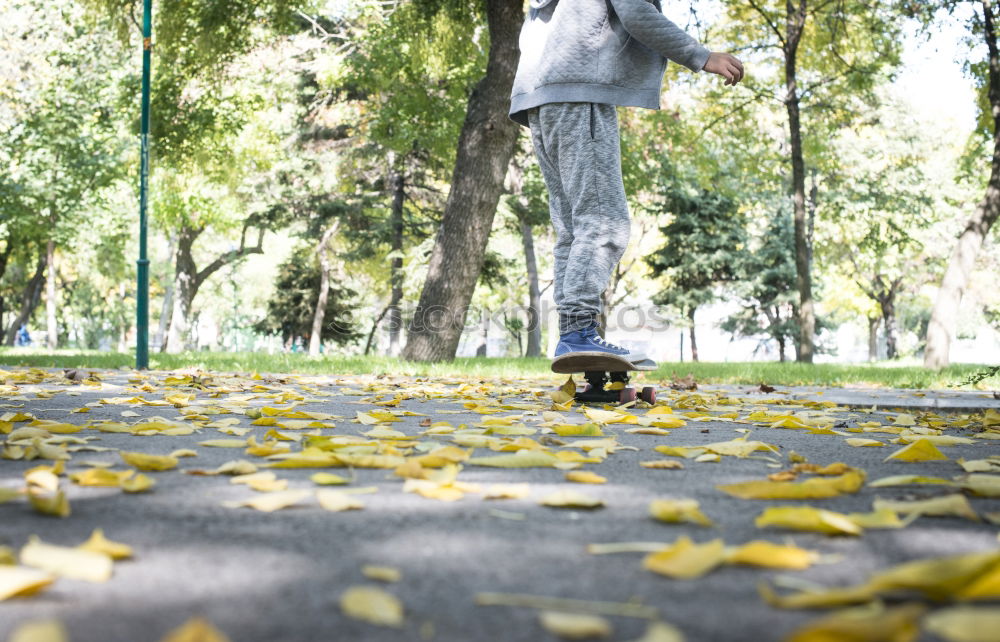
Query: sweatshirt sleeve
(645, 23)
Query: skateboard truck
(594, 390)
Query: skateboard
(599, 369)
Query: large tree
(403, 135)
(827, 56)
(944, 318)
(60, 147)
(485, 146)
(705, 246)
(767, 292)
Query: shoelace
(601, 342)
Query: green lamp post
(142, 296)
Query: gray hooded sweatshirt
(598, 51)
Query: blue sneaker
(588, 343)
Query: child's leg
(579, 154)
(559, 210)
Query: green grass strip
(889, 375)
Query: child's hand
(726, 66)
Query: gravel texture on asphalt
(279, 576)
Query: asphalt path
(279, 576)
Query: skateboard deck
(589, 361)
(600, 369)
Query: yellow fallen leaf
(570, 499)
(937, 440)
(270, 502)
(662, 464)
(685, 559)
(381, 432)
(864, 624)
(197, 629)
(372, 605)
(807, 518)
(264, 481)
(881, 518)
(965, 624)
(507, 491)
(138, 484)
(142, 461)
(67, 562)
(769, 555)
(816, 598)
(42, 479)
(533, 459)
(608, 416)
(858, 442)
(661, 632)
(739, 447)
(585, 477)
(446, 491)
(328, 479)
(816, 488)
(680, 451)
(574, 626)
(565, 392)
(223, 443)
(100, 477)
(678, 510)
(920, 450)
(55, 504)
(40, 631)
(988, 465)
(982, 485)
(56, 427)
(955, 505)
(905, 480)
(336, 501)
(370, 461)
(969, 576)
(17, 581)
(381, 573)
(97, 543)
(648, 431)
(578, 430)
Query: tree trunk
(371, 334)
(485, 146)
(484, 340)
(774, 327)
(794, 26)
(396, 266)
(30, 297)
(165, 310)
(185, 274)
(889, 317)
(166, 307)
(944, 317)
(51, 330)
(873, 323)
(188, 279)
(534, 328)
(694, 340)
(322, 250)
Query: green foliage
(768, 295)
(705, 245)
(291, 307)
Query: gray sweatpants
(578, 150)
